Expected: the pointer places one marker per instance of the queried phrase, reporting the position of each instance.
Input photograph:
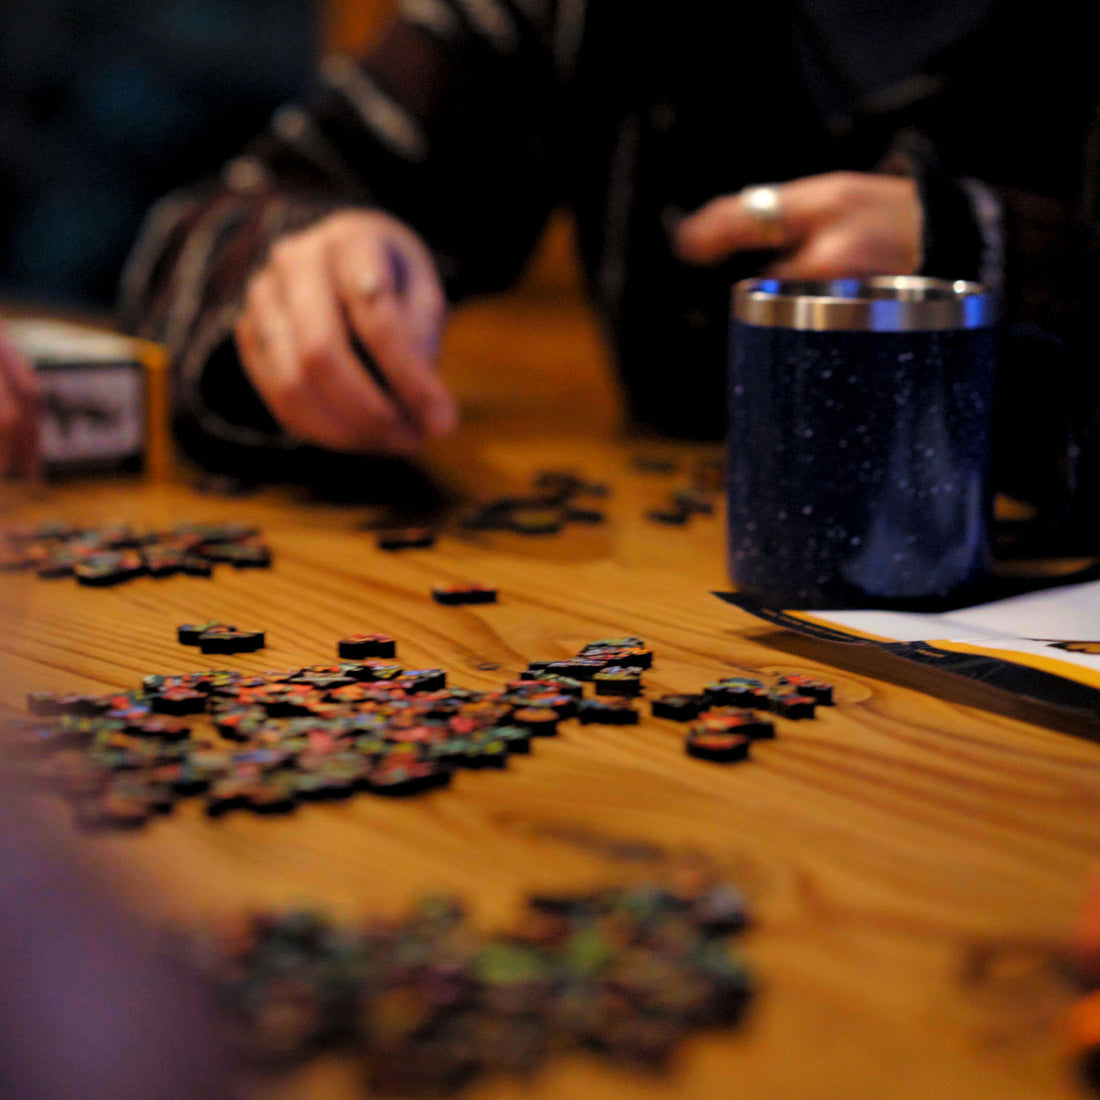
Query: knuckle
(842, 190)
(842, 178)
(284, 252)
(343, 220)
(255, 297)
(348, 226)
(376, 219)
(333, 224)
(719, 211)
(316, 357)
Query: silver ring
(370, 286)
(765, 207)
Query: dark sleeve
(447, 124)
(1006, 158)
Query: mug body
(859, 440)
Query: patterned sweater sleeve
(448, 124)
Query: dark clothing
(475, 118)
(107, 104)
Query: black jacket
(475, 118)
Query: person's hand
(19, 455)
(356, 277)
(839, 225)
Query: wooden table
(914, 863)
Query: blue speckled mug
(859, 440)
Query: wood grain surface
(914, 863)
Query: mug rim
(880, 303)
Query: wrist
(952, 244)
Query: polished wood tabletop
(913, 861)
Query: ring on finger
(764, 207)
(370, 286)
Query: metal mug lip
(881, 303)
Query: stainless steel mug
(859, 441)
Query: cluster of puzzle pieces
(269, 741)
(105, 556)
(429, 1003)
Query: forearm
(445, 125)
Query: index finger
(742, 223)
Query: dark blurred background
(105, 106)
